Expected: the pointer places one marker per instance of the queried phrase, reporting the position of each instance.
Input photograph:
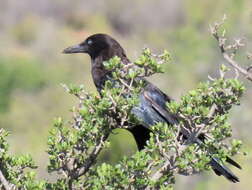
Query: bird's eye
(89, 42)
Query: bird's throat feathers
(99, 72)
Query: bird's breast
(99, 75)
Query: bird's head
(95, 45)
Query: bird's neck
(99, 73)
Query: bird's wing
(158, 100)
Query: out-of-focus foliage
(35, 32)
(19, 73)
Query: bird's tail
(221, 169)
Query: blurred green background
(33, 34)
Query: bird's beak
(83, 48)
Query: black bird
(152, 105)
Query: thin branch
(234, 64)
(159, 173)
(92, 158)
(3, 181)
(229, 57)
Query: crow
(152, 101)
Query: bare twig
(209, 116)
(225, 50)
(92, 157)
(4, 182)
(234, 64)
(249, 55)
(159, 173)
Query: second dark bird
(152, 105)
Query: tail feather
(221, 169)
(232, 162)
